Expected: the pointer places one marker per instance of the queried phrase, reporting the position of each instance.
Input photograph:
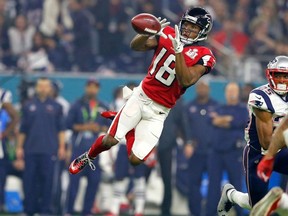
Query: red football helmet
(277, 74)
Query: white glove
(163, 24)
(177, 44)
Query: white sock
(119, 190)
(106, 196)
(241, 199)
(283, 202)
(139, 191)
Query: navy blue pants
(165, 162)
(37, 180)
(124, 169)
(57, 205)
(198, 165)
(218, 162)
(3, 174)
(93, 179)
(257, 188)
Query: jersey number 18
(165, 74)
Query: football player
(267, 106)
(275, 198)
(179, 61)
(7, 127)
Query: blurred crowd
(94, 35)
(39, 154)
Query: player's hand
(177, 44)
(189, 150)
(265, 168)
(94, 127)
(61, 153)
(163, 23)
(19, 153)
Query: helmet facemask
(277, 74)
(199, 17)
(278, 80)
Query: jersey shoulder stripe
(260, 100)
(3, 93)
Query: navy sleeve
(60, 119)
(187, 123)
(180, 119)
(24, 123)
(70, 120)
(240, 118)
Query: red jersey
(160, 84)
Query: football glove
(177, 44)
(163, 23)
(265, 168)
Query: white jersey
(5, 97)
(266, 99)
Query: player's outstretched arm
(143, 42)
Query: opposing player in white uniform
(275, 199)
(6, 129)
(268, 104)
(179, 61)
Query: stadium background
(244, 65)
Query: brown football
(145, 23)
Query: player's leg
(130, 136)
(233, 161)
(257, 188)
(268, 203)
(281, 159)
(231, 196)
(121, 179)
(72, 193)
(283, 202)
(93, 181)
(124, 121)
(215, 172)
(147, 134)
(3, 167)
(197, 166)
(30, 183)
(139, 189)
(165, 161)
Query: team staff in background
(41, 140)
(86, 123)
(179, 61)
(8, 121)
(173, 127)
(200, 135)
(229, 121)
(267, 106)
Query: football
(145, 23)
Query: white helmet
(278, 66)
